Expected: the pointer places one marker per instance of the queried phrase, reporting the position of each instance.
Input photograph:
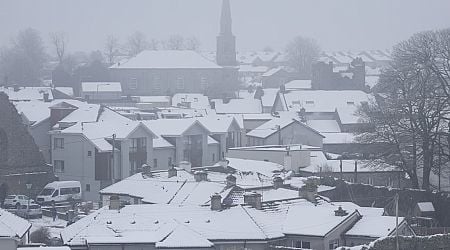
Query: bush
(42, 235)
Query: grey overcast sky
(337, 25)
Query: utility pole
(396, 222)
(439, 162)
(356, 171)
(113, 152)
(340, 169)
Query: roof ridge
(254, 221)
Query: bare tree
(175, 42)
(22, 63)
(153, 44)
(59, 42)
(111, 49)
(192, 43)
(301, 53)
(409, 112)
(136, 43)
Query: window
(370, 181)
(76, 190)
(56, 193)
(65, 191)
(88, 187)
(309, 102)
(195, 99)
(213, 157)
(89, 153)
(155, 163)
(169, 161)
(350, 103)
(180, 83)
(303, 244)
(333, 244)
(203, 82)
(133, 84)
(58, 166)
(138, 144)
(156, 82)
(58, 143)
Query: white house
(101, 91)
(85, 152)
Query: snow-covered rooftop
(425, 206)
(324, 126)
(298, 84)
(167, 59)
(238, 106)
(12, 226)
(27, 93)
(270, 127)
(195, 101)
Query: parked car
(30, 211)
(58, 191)
(16, 201)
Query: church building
(167, 72)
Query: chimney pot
(340, 212)
(278, 182)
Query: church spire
(225, 18)
(226, 42)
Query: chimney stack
(278, 182)
(253, 199)
(185, 165)
(46, 97)
(146, 170)
(172, 172)
(309, 191)
(231, 180)
(200, 175)
(216, 202)
(114, 202)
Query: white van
(58, 191)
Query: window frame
(58, 143)
(58, 168)
(133, 83)
(179, 83)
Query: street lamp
(29, 185)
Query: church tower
(226, 41)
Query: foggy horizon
(356, 25)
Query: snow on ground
(55, 227)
